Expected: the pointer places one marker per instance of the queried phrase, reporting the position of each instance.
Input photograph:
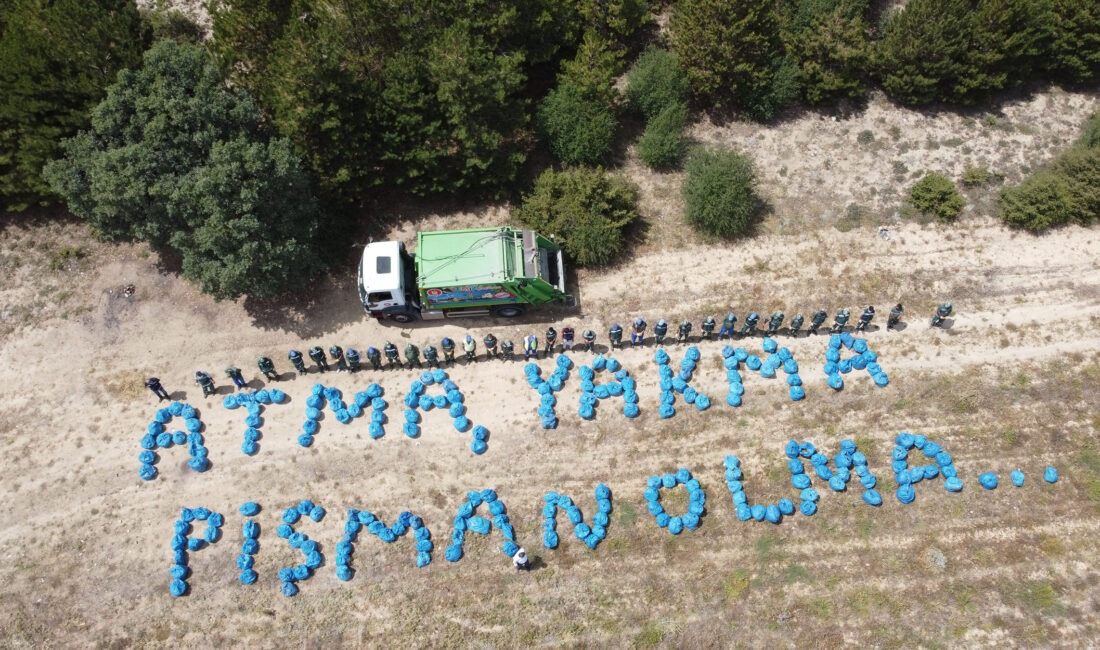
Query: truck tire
(403, 318)
(509, 311)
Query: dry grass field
(1012, 383)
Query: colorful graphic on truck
(477, 292)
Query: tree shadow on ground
(326, 305)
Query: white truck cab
(385, 280)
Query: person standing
(660, 331)
(391, 355)
(431, 356)
(267, 366)
(448, 346)
(353, 358)
(337, 354)
(412, 355)
(551, 336)
(374, 357)
(637, 332)
(234, 373)
(615, 336)
(154, 385)
(206, 382)
(567, 335)
(729, 324)
(895, 316)
(530, 347)
(521, 561)
(589, 339)
(296, 359)
(317, 353)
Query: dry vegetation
(1010, 385)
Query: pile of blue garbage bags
(291, 576)
(182, 543)
(253, 402)
(364, 519)
(592, 534)
(452, 400)
(465, 520)
(697, 500)
(864, 359)
(157, 437)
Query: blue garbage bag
(952, 484)
(1017, 478)
(759, 511)
(1050, 474)
(906, 494)
(807, 508)
(872, 497)
(667, 411)
(988, 480)
(800, 481)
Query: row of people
(352, 361)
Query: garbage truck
(475, 272)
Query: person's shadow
(537, 563)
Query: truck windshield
(379, 296)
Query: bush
(662, 145)
(578, 129)
(979, 175)
(1080, 166)
(719, 192)
(655, 82)
(585, 209)
(936, 195)
(1042, 201)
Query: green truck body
(498, 271)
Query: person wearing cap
(412, 355)
(615, 336)
(374, 357)
(448, 347)
(431, 356)
(530, 347)
(521, 561)
(508, 349)
(637, 331)
(154, 385)
(729, 325)
(685, 332)
(660, 331)
(296, 359)
(589, 337)
(708, 327)
(469, 346)
(352, 355)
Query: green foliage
(593, 70)
(410, 95)
(56, 61)
(616, 23)
(585, 209)
(1080, 167)
(959, 51)
(1075, 41)
(1041, 201)
(655, 82)
(578, 128)
(719, 192)
(1068, 191)
(662, 145)
(979, 175)
(935, 194)
(168, 23)
(732, 54)
(828, 40)
(175, 159)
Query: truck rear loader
(476, 272)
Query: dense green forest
(312, 109)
